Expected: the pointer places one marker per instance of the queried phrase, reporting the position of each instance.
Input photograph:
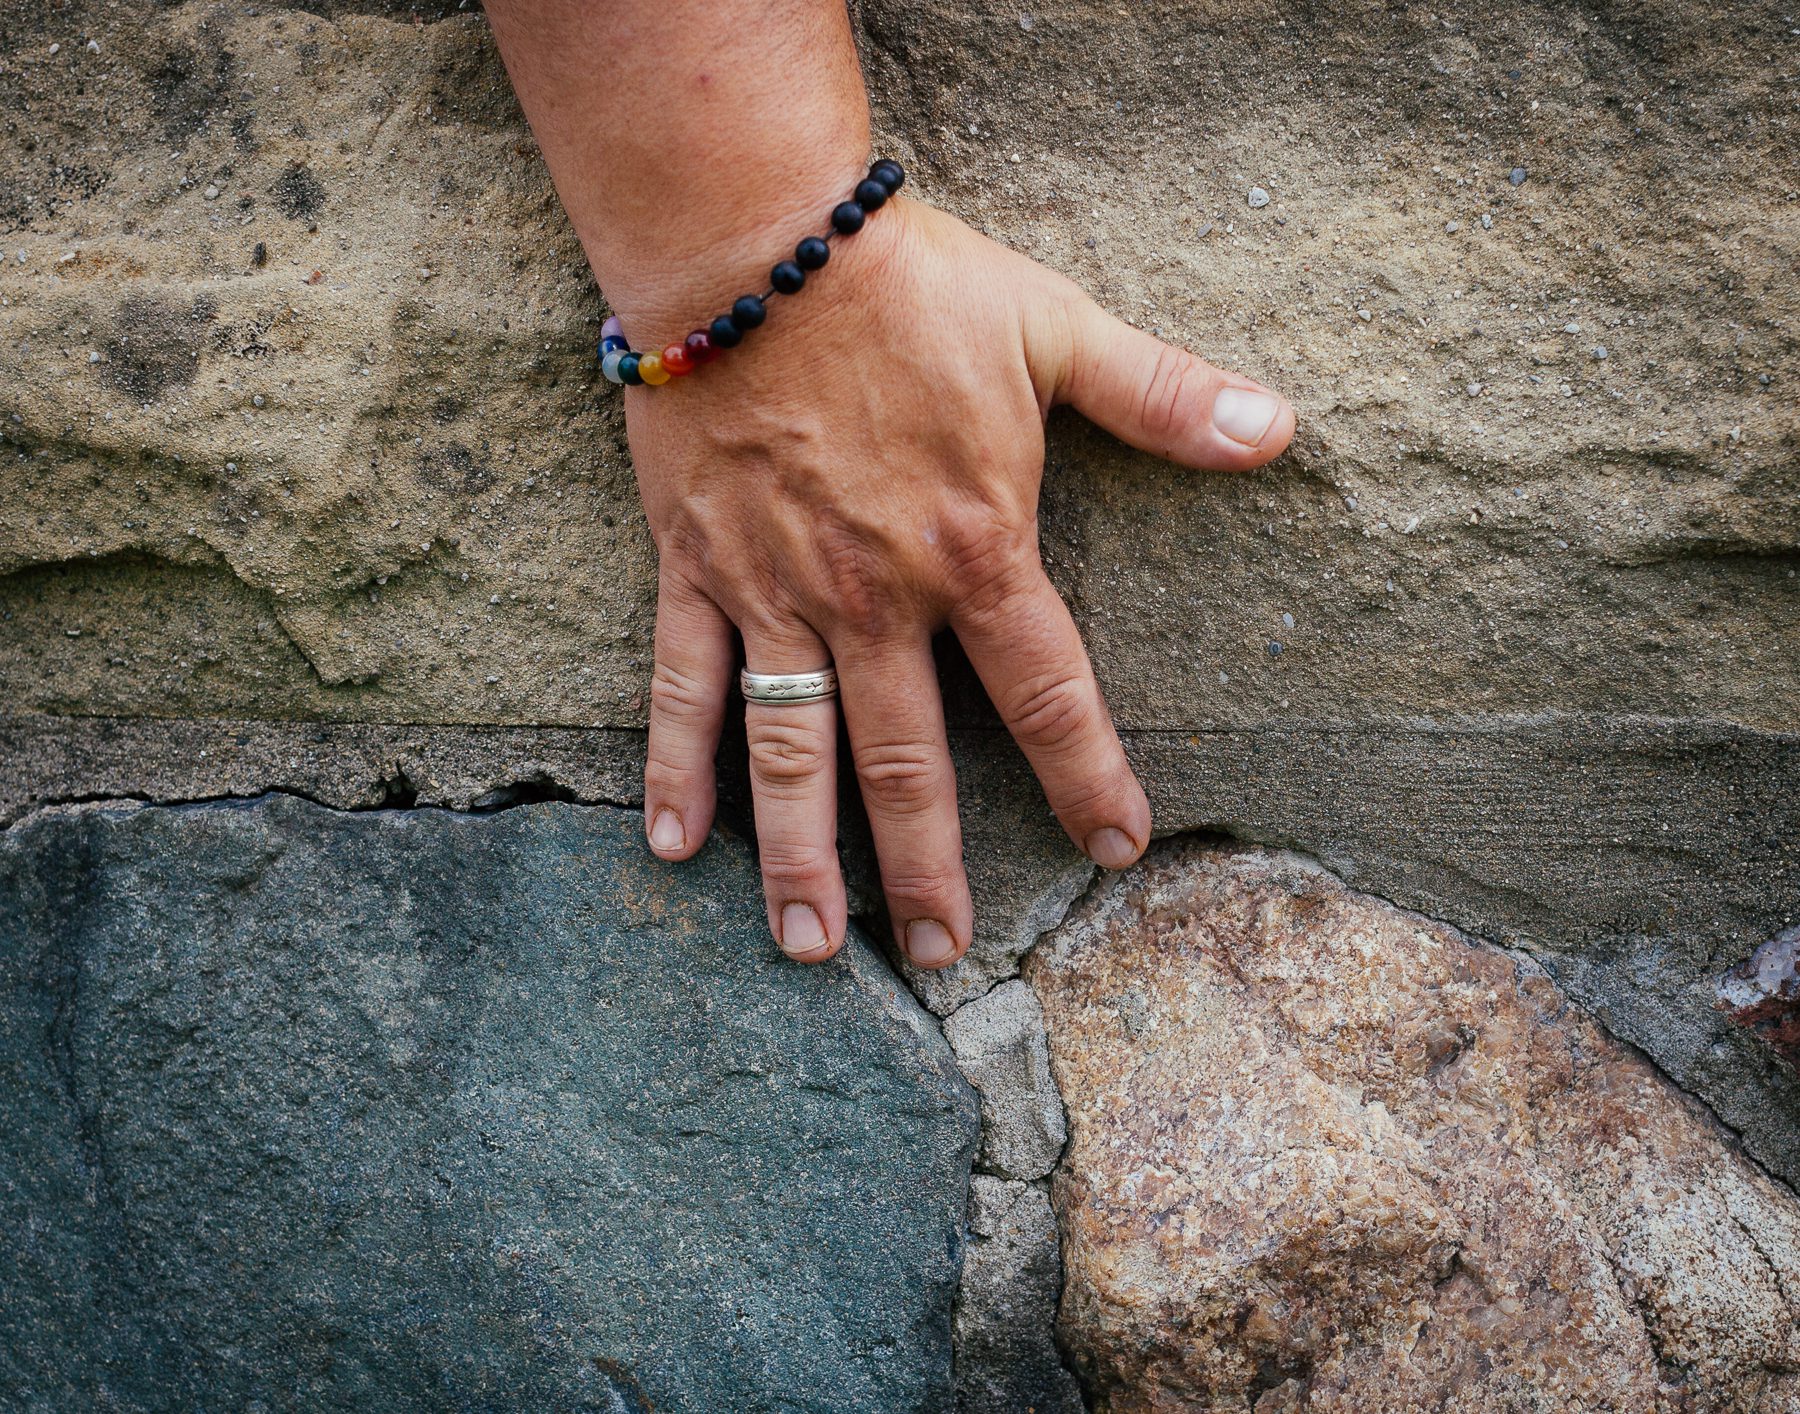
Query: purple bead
(612, 329)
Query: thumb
(1164, 400)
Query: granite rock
(414, 1110)
(1328, 1154)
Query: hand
(862, 472)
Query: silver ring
(786, 688)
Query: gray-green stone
(412, 1110)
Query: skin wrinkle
(866, 468)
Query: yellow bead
(651, 370)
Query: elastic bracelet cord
(621, 364)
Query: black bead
(811, 253)
(748, 312)
(870, 194)
(787, 277)
(889, 173)
(846, 218)
(725, 332)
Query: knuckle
(1169, 393)
(680, 696)
(898, 777)
(922, 885)
(1051, 711)
(982, 548)
(784, 754)
(791, 863)
(855, 574)
(668, 780)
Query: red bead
(699, 346)
(676, 360)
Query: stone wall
(306, 486)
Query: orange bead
(651, 370)
(676, 361)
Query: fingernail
(666, 831)
(1111, 849)
(928, 942)
(801, 931)
(1243, 415)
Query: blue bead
(811, 253)
(628, 369)
(612, 342)
(846, 218)
(787, 277)
(725, 332)
(609, 365)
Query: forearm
(688, 139)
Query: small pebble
(1274, 649)
(55, 49)
(1258, 197)
(1365, 315)
(257, 401)
(1473, 390)
(1571, 328)
(211, 193)
(1287, 620)
(1599, 350)
(1487, 222)
(1517, 176)
(1452, 227)
(1027, 24)
(93, 46)
(93, 358)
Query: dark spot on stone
(446, 409)
(187, 85)
(453, 467)
(628, 1395)
(155, 343)
(1274, 649)
(259, 255)
(243, 132)
(297, 192)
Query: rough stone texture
(311, 485)
(1327, 1154)
(414, 1110)
(1541, 675)
(1006, 1358)
(999, 1044)
(349, 765)
(1763, 993)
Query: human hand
(863, 473)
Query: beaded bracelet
(621, 365)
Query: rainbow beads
(619, 363)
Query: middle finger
(896, 720)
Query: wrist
(693, 265)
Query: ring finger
(793, 781)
